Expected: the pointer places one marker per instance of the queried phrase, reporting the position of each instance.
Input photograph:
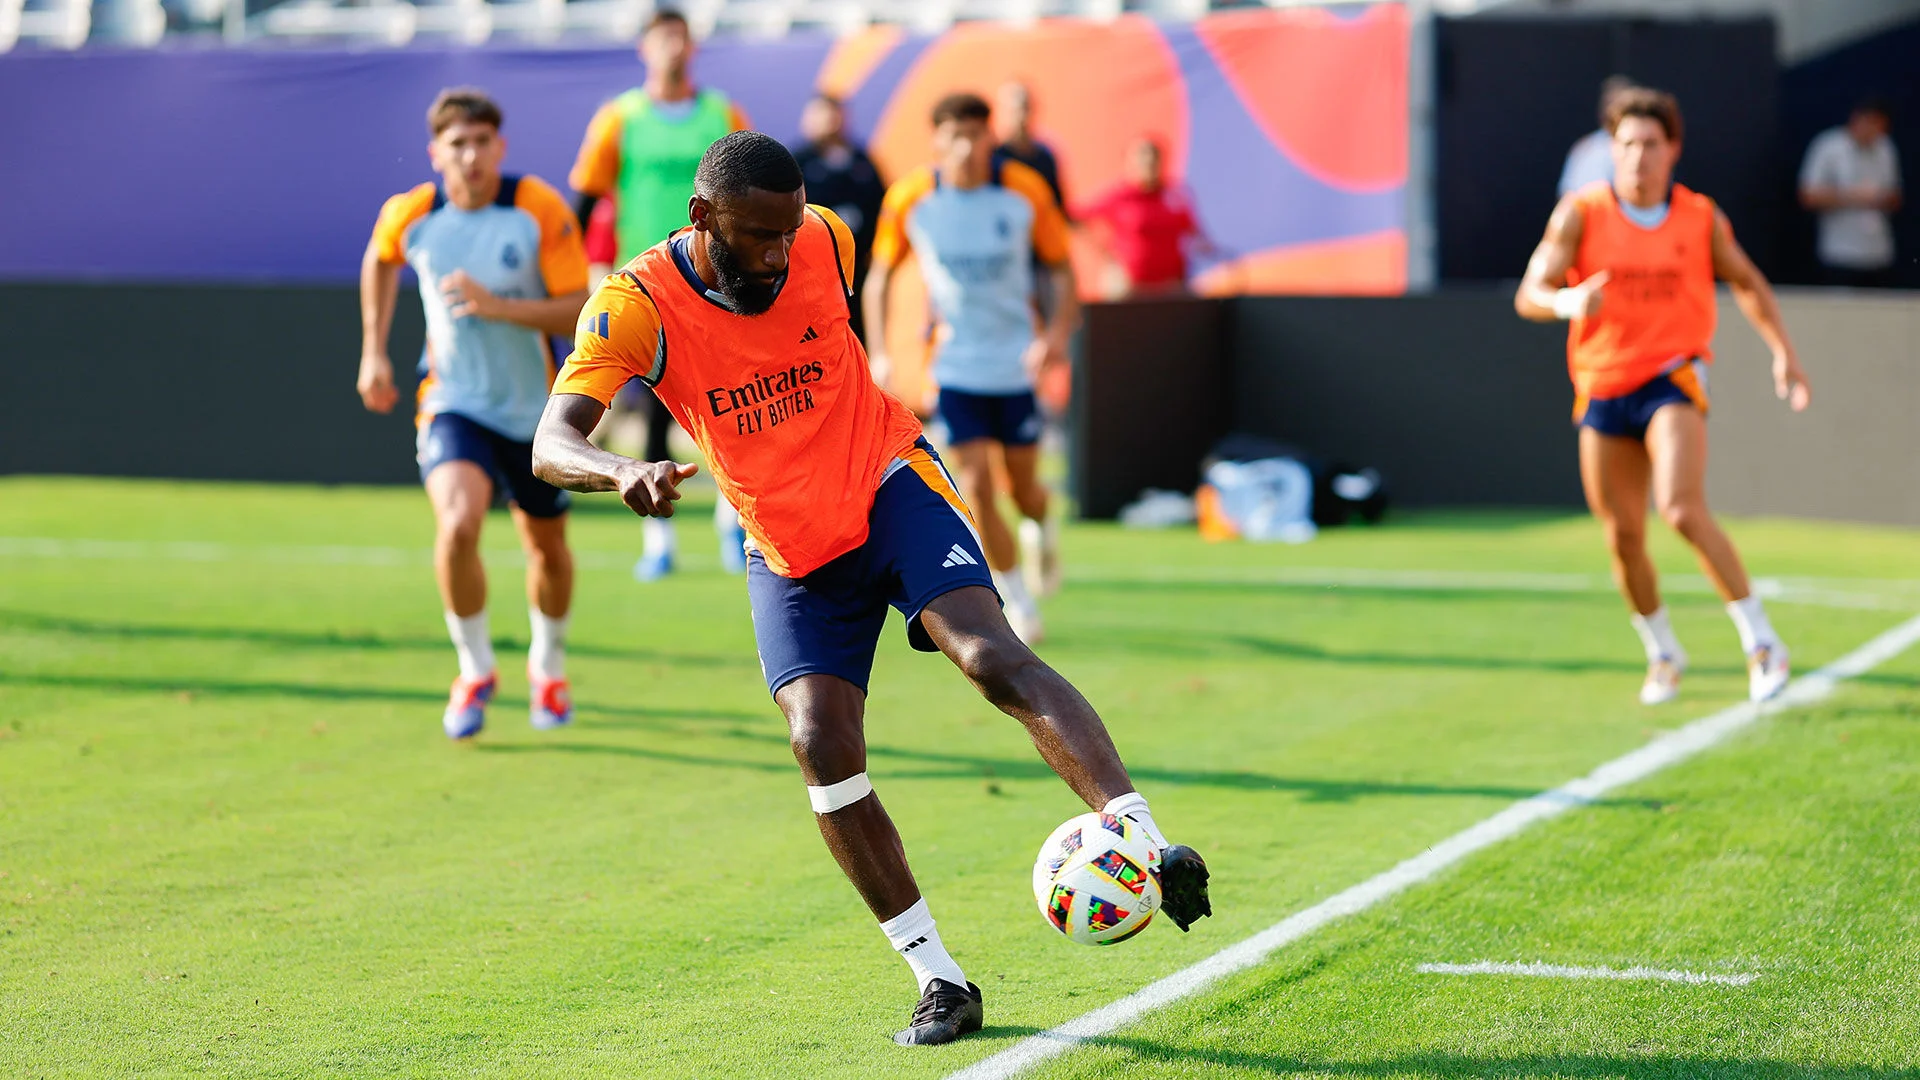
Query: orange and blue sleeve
(396, 216)
(1050, 239)
(597, 167)
(890, 244)
(617, 339)
(842, 243)
(563, 255)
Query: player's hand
(466, 296)
(1582, 301)
(1790, 383)
(375, 383)
(650, 488)
(1044, 352)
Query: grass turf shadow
(1442, 1064)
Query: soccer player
(978, 225)
(1632, 265)
(640, 150)
(740, 324)
(501, 267)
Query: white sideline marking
(1862, 593)
(1563, 971)
(1673, 747)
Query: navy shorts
(1628, 415)
(921, 544)
(1008, 419)
(509, 464)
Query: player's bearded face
(749, 249)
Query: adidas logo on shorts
(959, 557)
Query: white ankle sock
(471, 643)
(1013, 589)
(1134, 805)
(912, 935)
(1750, 619)
(547, 655)
(656, 534)
(1656, 633)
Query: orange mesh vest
(782, 404)
(1658, 308)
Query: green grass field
(234, 842)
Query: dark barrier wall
(1460, 402)
(1514, 94)
(228, 383)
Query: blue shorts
(1628, 415)
(509, 464)
(921, 544)
(1008, 419)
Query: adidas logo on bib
(809, 336)
(959, 557)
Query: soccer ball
(1097, 879)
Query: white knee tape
(845, 793)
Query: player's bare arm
(563, 457)
(1757, 302)
(379, 291)
(550, 315)
(1058, 332)
(1544, 295)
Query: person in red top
(741, 325)
(1148, 225)
(1632, 265)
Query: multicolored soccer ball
(1097, 879)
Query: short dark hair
(663, 17)
(742, 161)
(830, 99)
(462, 104)
(961, 106)
(1610, 87)
(1652, 104)
(1873, 104)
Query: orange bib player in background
(740, 324)
(1632, 265)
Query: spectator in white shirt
(1591, 158)
(1851, 178)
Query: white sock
(912, 935)
(471, 643)
(725, 518)
(656, 534)
(1656, 633)
(1013, 589)
(1134, 805)
(1750, 618)
(547, 656)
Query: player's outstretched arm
(563, 457)
(553, 315)
(379, 292)
(1544, 295)
(873, 305)
(1757, 302)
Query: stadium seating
(69, 24)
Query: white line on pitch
(1862, 593)
(1667, 750)
(1563, 971)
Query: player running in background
(501, 267)
(977, 226)
(741, 325)
(640, 150)
(1632, 265)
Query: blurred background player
(1014, 113)
(841, 177)
(1590, 159)
(1851, 178)
(741, 324)
(501, 268)
(977, 228)
(1147, 227)
(1632, 264)
(641, 149)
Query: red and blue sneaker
(467, 706)
(552, 703)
